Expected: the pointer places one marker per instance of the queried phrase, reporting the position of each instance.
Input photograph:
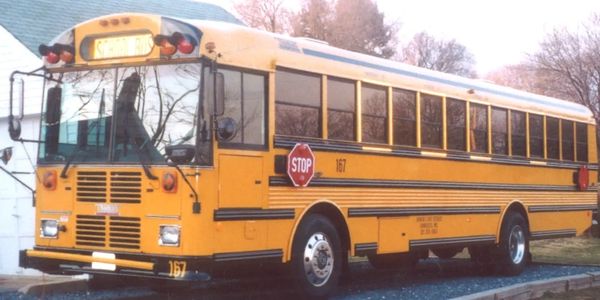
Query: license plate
(103, 265)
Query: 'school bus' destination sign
(123, 46)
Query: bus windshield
(126, 115)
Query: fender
(499, 227)
(288, 253)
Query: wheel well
(335, 216)
(517, 207)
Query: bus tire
(393, 261)
(514, 245)
(446, 253)
(317, 260)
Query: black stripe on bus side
(365, 249)
(249, 255)
(460, 241)
(555, 208)
(552, 234)
(399, 212)
(318, 145)
(384, 183)
(237, 214)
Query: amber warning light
(57, 52)
(170, 44)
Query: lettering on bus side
(177, 268)
(301, 165)
(340, 165)
(429, 224)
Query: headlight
(169, 235)
(49, 228)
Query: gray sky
(497, 32)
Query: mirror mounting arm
(14, 124)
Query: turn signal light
(49, 180)
(169, 182)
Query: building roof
(37, 22)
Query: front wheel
(514, 244)
(316, 257)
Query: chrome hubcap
(516, 244)
(318, 259)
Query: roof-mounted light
(57, 52)
(170, 44)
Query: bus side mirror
(14, 124)
(52, 118)
(6, 154)
(219, 88)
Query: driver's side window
(245, 103)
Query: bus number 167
(340, 165)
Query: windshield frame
(202, 115)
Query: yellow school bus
(170, 148)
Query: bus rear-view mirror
(219, 88)
(52, 118)
(14, 124)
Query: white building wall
(17, 217)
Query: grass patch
(579, 250)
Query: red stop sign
(301, 164)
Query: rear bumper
(69, 261)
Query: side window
(567, 140)
(499, 131)
(245, 103)
(341, 109)
(479, 128)
(517, 130)
(431, 121)
(456, 112)
(297, 104)
(552, 138)
(374, 114)
(582, 142)
(405, 117)
(536, 135)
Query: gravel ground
(433, 279)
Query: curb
(66, 285)
(536, 289)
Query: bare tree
(447, 56)
(572, 58)
(355, 25)
(269, 15)
(314, 20)
(359, 26)
(526, 77)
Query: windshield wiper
(138, 152)
(72, 155)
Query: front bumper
(69, 261)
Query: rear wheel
(316, 257)
(514, 244)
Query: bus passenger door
(242, 135)
(240, 181)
